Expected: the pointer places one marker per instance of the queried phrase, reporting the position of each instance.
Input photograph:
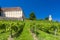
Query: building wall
(15, 14)
(12, 15)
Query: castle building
(12, 13)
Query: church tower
(50, 18)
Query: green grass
(45, 36)
(4, 36)
(26, 35)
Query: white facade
(15, 14)
(12, 13)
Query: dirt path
(9, 38)
(34, 35)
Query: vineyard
(22, 30)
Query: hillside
(18, 30)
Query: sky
(41, 8)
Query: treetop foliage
(32, 16)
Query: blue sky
(42, 8)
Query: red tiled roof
(11, 9)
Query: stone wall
(9, 18)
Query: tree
(32, 16)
